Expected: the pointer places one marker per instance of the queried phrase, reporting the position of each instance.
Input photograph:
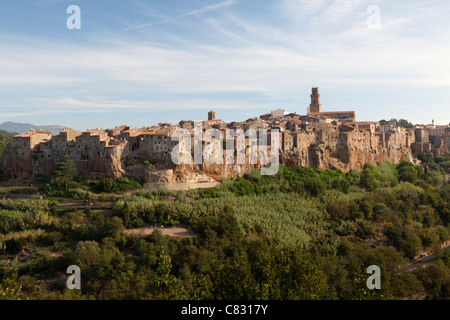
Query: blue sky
(142, 62)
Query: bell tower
(315, 105)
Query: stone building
(315, 106)
(318, 139)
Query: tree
(107, 184)
(301, 278)
(405, 123)
(232, 278)
(436, 280)
(407, 172)
(10, 293)
(315, 186)
(64, 172)
(368, 180)
(114, 227)
(168, 285)
(405, 239)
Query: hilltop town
(318, 139)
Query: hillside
(303, 234)
(5, 138)
(25, 127)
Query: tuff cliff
(146, 156)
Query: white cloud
(259, 59)
(214, 7)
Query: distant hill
(25, 127)
(7, 134)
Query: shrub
(242, 187)
(11, 221)
(110, 185)
(341, 184)
(315, 186)
(89, 232)
(404, 239)
(368, 180)
(407, 172)
(16, 244)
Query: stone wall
(180, 186)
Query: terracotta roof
(162, 133)
(41, 131)
(23, 135)
(31, 133)
(365, 122)
(331, 112)
(217, 120)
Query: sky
(139, 62)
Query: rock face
(345, 159)
(146, 156)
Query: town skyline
(223, 116)
(320, 139)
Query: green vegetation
(301, 234)
(402, 122)
(65, 171)
(80, 187)
(5, 139)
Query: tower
(315, 105)
(211, 115)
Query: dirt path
(425, 261)
(447, 180)
(179, 232)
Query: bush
(341, 184)
(89, 232)
(380, 212)
(368, 180)
(242, 187)
(114, 227)
(70, 192)
(407, 172)
(110, 185)
(315, 186)
(11, 221)
(404, 239)
(16, 244)
(209, 193)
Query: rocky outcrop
(150, 161)
(344, 158)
